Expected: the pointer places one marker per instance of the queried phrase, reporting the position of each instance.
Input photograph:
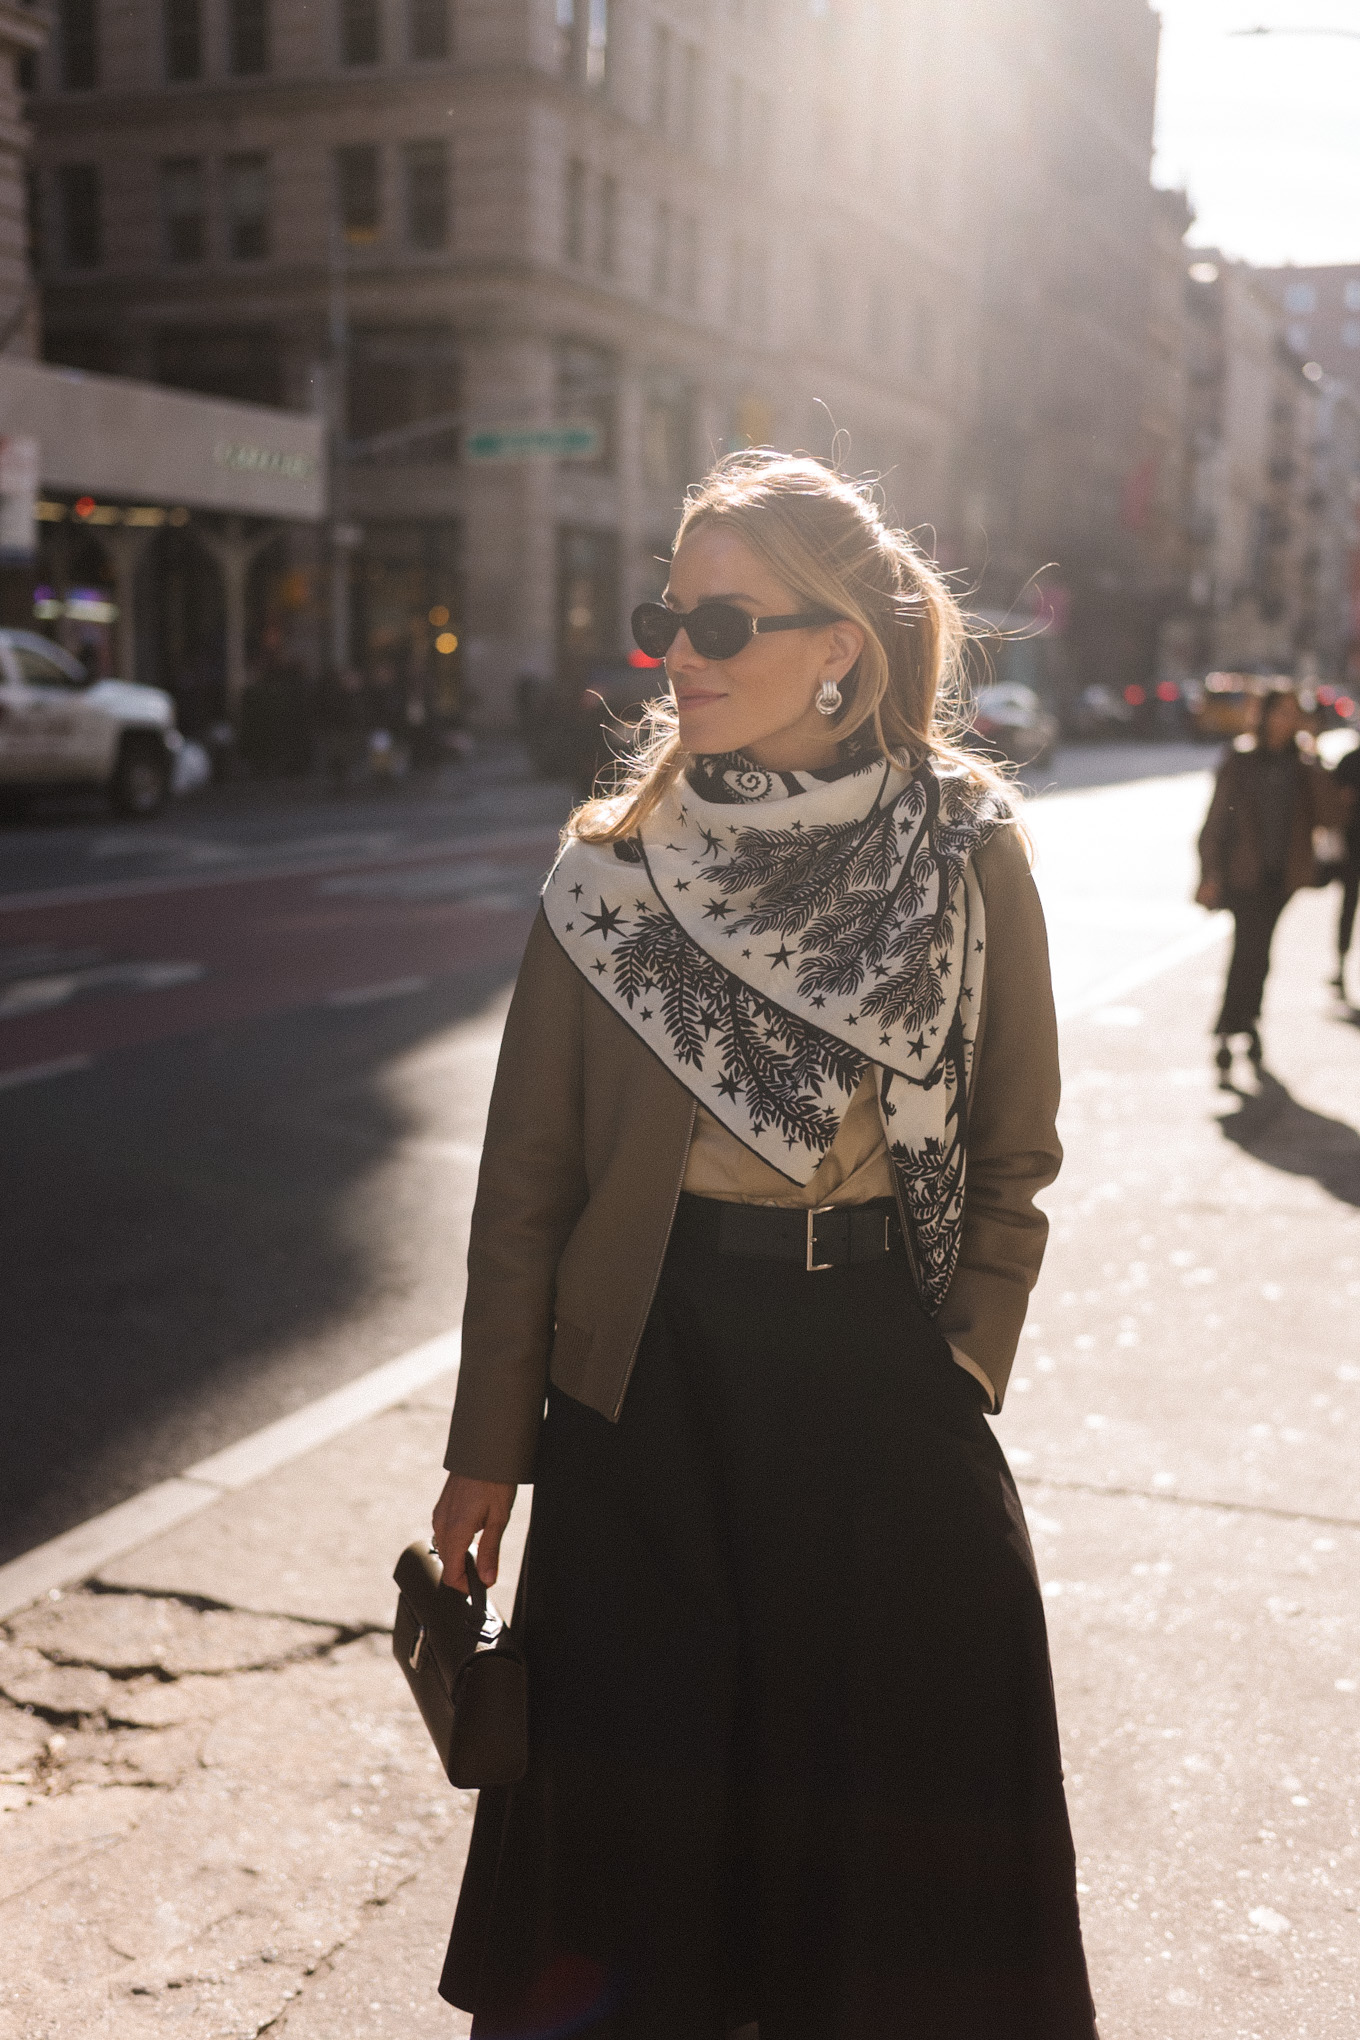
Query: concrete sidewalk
(222, 1811)
(223, 1814)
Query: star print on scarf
(768, 960)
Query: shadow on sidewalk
(1273, 1126)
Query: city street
(245, 1181)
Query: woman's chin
(702, 732)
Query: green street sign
(579, 440)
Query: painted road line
(371, 995)
(78, 1553)
(546, 834)
(37, 1073)
(1109, 991)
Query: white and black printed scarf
(766, 957)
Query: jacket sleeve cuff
(971, 1367)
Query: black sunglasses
(717, 630)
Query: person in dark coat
(1346, 778)
(1256, 850)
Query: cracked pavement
(207, 1799)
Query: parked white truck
(58, 728)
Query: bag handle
(476, 1593)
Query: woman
(755, 1214)
(1256, 850)
(1346, 782)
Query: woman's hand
(466, 1507)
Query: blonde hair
(825, 538)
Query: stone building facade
(918, 238)
(23, 30)
(687, 225)
(1271, 476)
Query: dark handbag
(466, 1671)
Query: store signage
(18, 499)
(244, 458)
(579, 440)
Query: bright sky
(1264, 130)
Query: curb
(77, 1553)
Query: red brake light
(1134, 696)
(1344, 705)
(1167, 690)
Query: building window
(360, 32)
(78, 198)
(597, 44)
(402, 378)
(587, 378)
(667, 435)
(1350, 333)
(827, 299)
(248, 207)
(183, 39)
(1297, 336)
(244, 363)
(687, 263)
(575, 199)
(609, 226)
(1300, 297)
(690, 83)
(184, 210)
(1350, 295)
(747, 288)
(427, 194)
(662, 250)
(661, 79)
(79, 41)
(583, 41)
(428, 26)
(757, 294)
(736, 285)
(734, 124)
(248, 37)
(923, 340)
(358, 193)
(881, 336)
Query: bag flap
(452, 1623)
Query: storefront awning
(102, 436)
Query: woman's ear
(845, 642)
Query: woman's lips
(696, 698)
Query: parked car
(1337, 708)
(1226, 704)
(1010, 721)
(61, 728)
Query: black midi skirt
(794, 1756)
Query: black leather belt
(832, 1236)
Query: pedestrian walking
(1256, 850)
(1346, 778)
(755, 1218)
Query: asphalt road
(244, 1053)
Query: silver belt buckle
(816, 1267)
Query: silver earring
(828, 698)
